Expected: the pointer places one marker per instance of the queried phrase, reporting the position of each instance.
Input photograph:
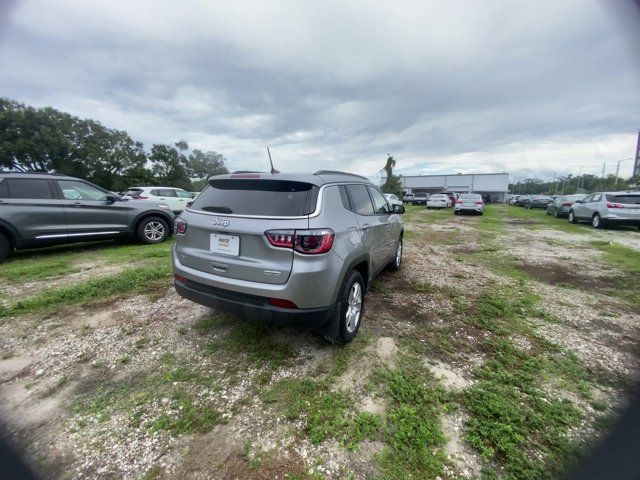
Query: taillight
(180, 278)
(458, 202)
(614, 205)
(279, 302)
(141, 197)
(479, 203)
(180, 226)
(309, 242)
(567, 204)
(280, 238)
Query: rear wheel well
(363, 268)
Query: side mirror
(398, 209)
(189, 204)
(111, 198)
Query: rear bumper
(255, 308)
(477, 209)
(621, 221)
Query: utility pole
(617, 172)
(636, 165)
(555, 187)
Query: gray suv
(607, 208)
(39, 209)
(291, 249)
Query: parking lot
(503, 347)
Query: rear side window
(165, 192)
(628, 198)
(360, 199)
(277, 198)
(31, 188)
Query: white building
(496, 185)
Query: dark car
(520, 200)
(561, 205)
(420, 199)
(39, 209)
(537, 201)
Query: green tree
(392, 184)
(168, 167)
(201, 165)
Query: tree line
(569, 184)
(48, 140)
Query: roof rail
(30, 172)
(246, 171)
(338, 172)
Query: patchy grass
(538, 219)
(627, 261)
(326, 414)
(413, 431)
(128, 282)
(514, 419)
(31, 269)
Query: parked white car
(469, 202)
(439, 200)
(392, 199)
(176, 198)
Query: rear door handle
(366, 226)
(78, 204)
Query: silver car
(607, 208)
(292, 249)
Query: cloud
(528, 87)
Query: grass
(627, 261)
(54, 262)
(413, 432)
(128, 282)
(514, 418)
(326, 413)
(175, 384)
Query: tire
(548, 212)
(555, 213)
(152, 230)
(348, 329)
(5, 247)
(596, 221)
(396, 262)
(528, 206)
(572, 217)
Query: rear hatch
(226, 227)
(624, 205)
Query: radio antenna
(273, 170)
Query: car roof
(319, 178)
(38, 175)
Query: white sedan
(439, 200)
(392, 199)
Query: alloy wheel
(354, 307)
(154, 231)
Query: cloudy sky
(529, 87)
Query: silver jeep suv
(291, 249)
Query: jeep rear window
(628, 199)
(277, 198)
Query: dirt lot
(503, 348)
